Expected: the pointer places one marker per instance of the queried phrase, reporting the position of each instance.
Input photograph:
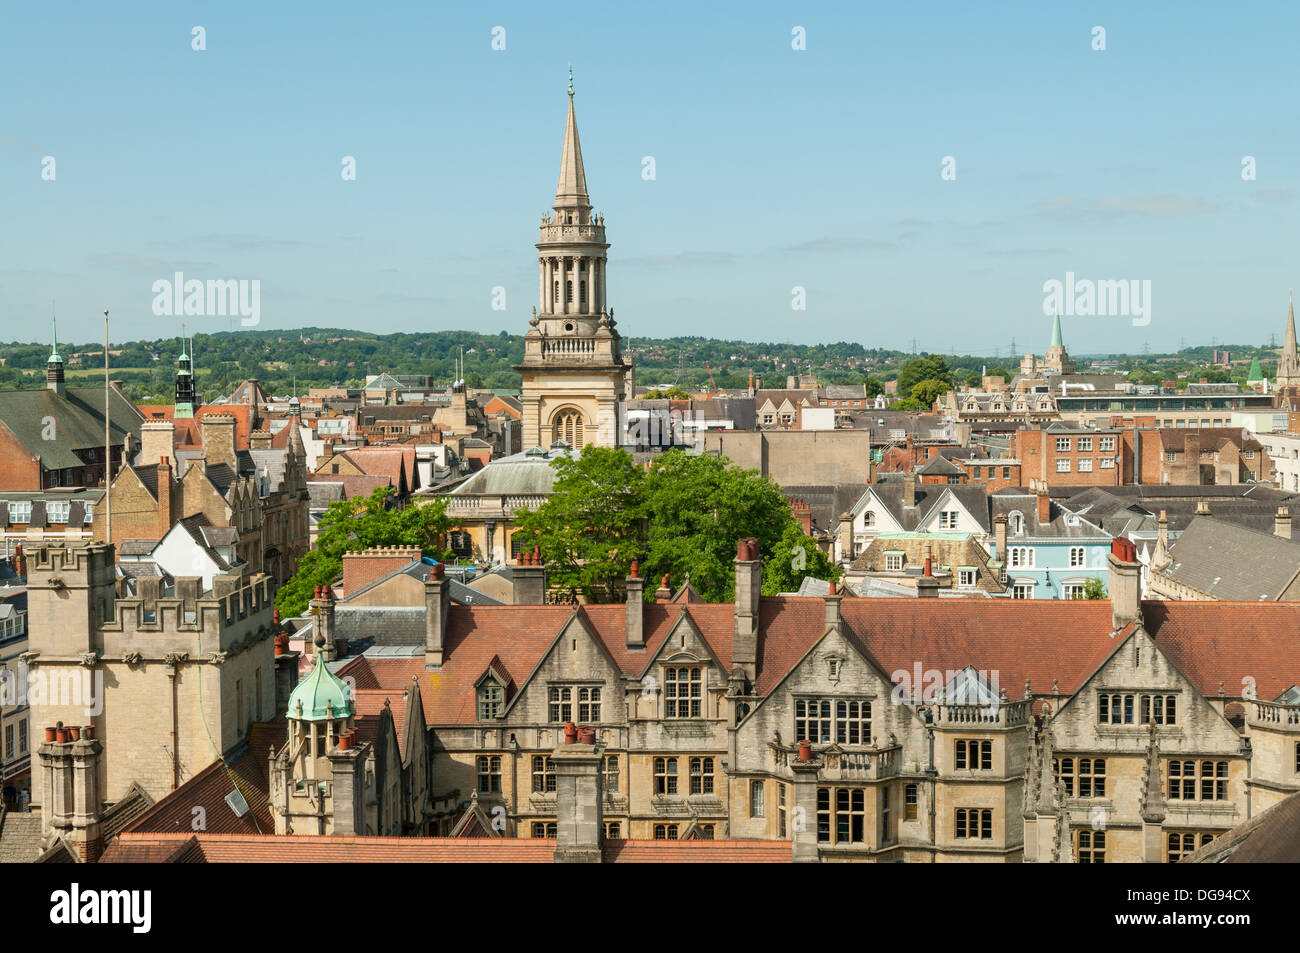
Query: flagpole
(108, 448)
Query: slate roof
(939, 465)
(20, 837)
(827, 501)
(971, 496)
(1124, 510)
(1064, 523)
(78, 418)
(1227, 561)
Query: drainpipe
(933, 775)
(176, 754)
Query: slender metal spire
(572, 188)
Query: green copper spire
(1056, 333)
(1256, 372)
(54, 343)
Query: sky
(775, 168)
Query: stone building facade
(935, 729)
(166, 682)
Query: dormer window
(1016, 523)
(491, 699)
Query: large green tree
(589, 529)
(929, 367)
(794, 557)
(930, 390)
(358, 524)
(696, 508)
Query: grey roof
(827, 501)
(972, 497)
(379, 625)
(518, 474)
(20, 837)
(1231, 562)
(78, 417)
(1065, 523)
(939, 465)
(321, 494)
(844, 391)
(1134, 510)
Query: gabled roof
(1046, 641)
(1227, 561)
(78, 422)
(939, 465)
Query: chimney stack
(847, 553)
(909, 487)
(833, 600)
(1124, 583)
(1202, 507)
(1044, 502)
(635, 609)
(437, 609)
(529, 574)
(579, 800)
(164, 495)
(1282, 522)
(749, 587)
(664, 593)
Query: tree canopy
(929, 367)
(682, 516)
(357, 524)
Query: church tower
(186, 403)
(1056, 359)
(574, 372)
(1288, 364)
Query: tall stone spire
(1288, 363)
(571, 191)
(574, 373)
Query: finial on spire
(570, 79)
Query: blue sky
(774, 168)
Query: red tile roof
(1044, 641)
(305, 848)
(208, 789)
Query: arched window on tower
(582, 292)
(568, 427)
(568, 289)
(557, 293)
